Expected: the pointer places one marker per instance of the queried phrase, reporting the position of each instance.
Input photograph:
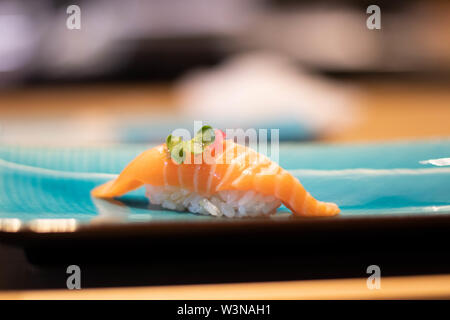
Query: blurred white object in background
(258, 89)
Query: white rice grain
(228, 203)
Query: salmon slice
(236, 168)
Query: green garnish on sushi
(178, 149)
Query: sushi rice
(227, 203)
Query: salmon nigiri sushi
(216, 177)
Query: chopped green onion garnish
(193, 147)
(205, 136)
(179, 148)
(177, 153)
(171, 141)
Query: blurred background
(138, 69)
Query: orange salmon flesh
(236, 168)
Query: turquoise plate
(48, 189)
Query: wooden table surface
(388, 111)
(411, 287)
